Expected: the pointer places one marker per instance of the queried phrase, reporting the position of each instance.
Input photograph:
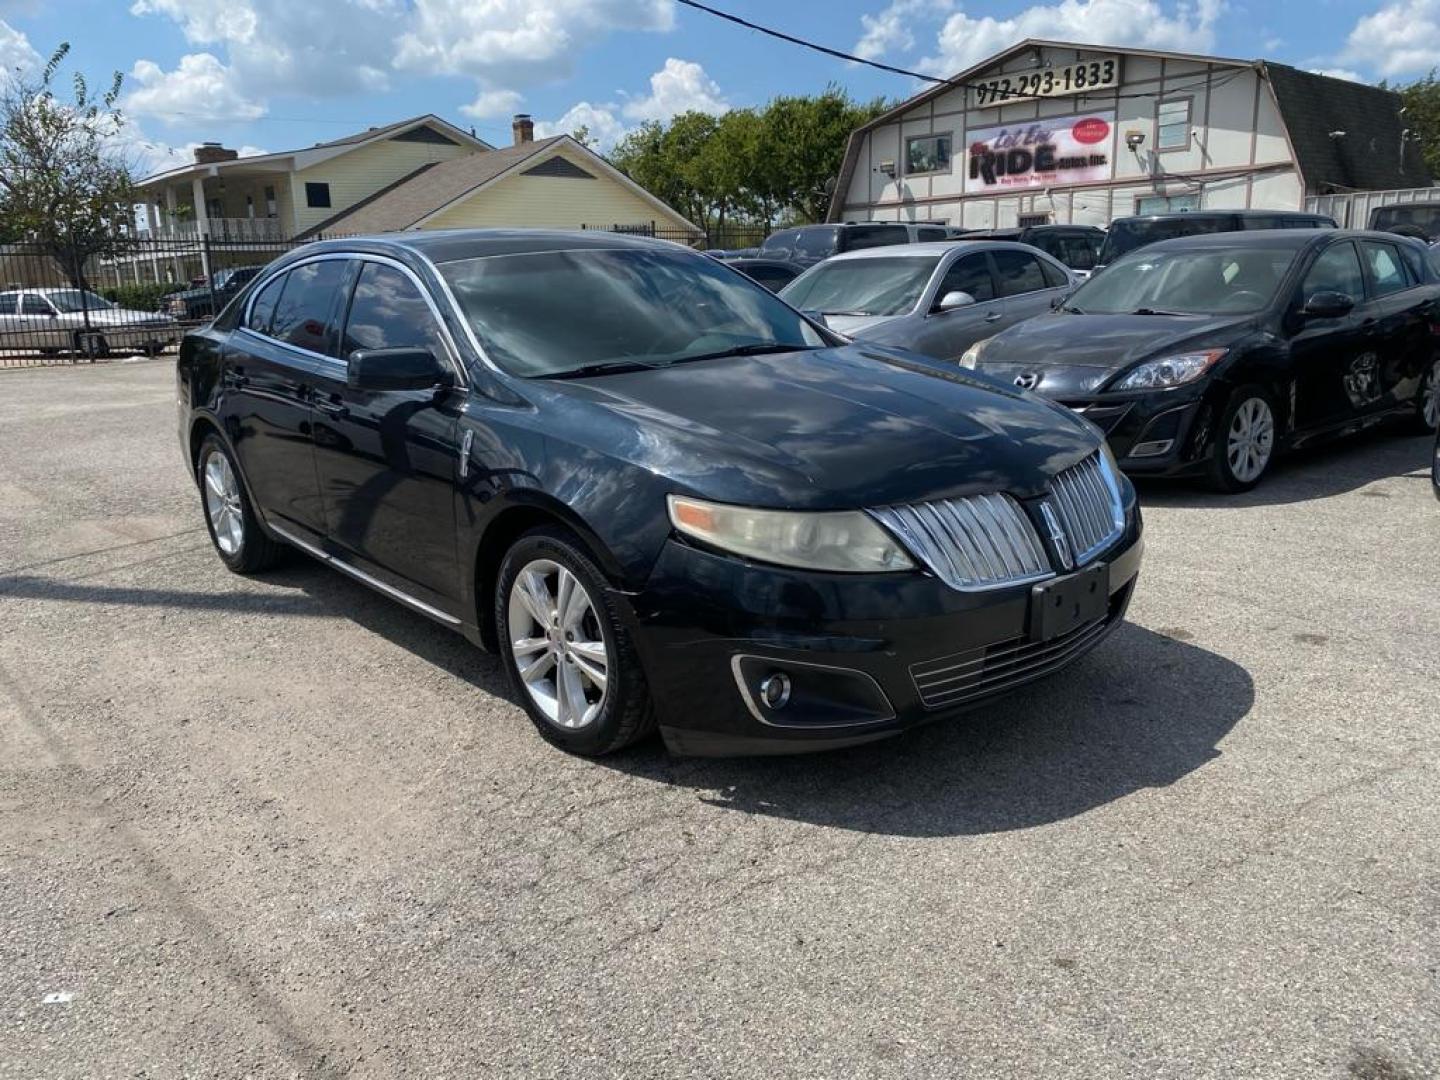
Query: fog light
(775, 690)
(1151, 449)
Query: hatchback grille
(979, 542)
(1087, 497)
(951, 680)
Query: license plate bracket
(1066, 603)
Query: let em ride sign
(1040, 153)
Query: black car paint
(1079, 358)
(381, 486)
(774, 274)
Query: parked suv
(202, 302)
(807, 245)
(1077, 246)
(1418, 219)
(1128, 233)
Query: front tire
(1244, 444)
(1426, 418)
(234, 529)
(569, 656)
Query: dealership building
(1053, 133)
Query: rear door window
(870, 236)
(1017, 273)
(306, 314)
(929, 233)
(1388, 272)
(970, 274)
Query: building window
(270, 210)
(1027, 221)
(317, 195)
(1172, 124)
(1166, 204)
(927, 154)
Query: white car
(69, 320)
(937, 299)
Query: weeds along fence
(139, 298)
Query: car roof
(1183, 215)
(1292, 239)
(933, 248)
(450, 245)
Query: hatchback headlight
(1170, 371)
(848, 541)
(971, 356)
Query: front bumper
(1151, 433)
(869, 656)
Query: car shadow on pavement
(1144, 710)
(1318, 472)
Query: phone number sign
(1099, 74)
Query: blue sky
(279, 74)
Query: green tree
(1422, 117)
(64, 182)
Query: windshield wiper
(852, 314)
(756, 349)
(1154, 311)
(609, 367)
(1071, 308)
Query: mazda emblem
(1027, 381)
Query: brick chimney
(522, 128)
(211, 152)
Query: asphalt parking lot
(283, 827)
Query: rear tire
(239, 540)
(1244, 441)
(577, 675)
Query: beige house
(421, 173)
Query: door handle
(235, 378)
(993, 316)
(1368, 326)
(331, 407)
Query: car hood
(832, 428)
(1106, 343)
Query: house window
(1027, 221)
(317, 195)
(214, 209)
(249, 206)
(927, 154)
(270, 209)
(1166, 204)
(1172, 124)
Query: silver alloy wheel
(222, 503)
(1431, 406)
(559, 644)
(1251, 439)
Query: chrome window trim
(360, 575)
(451, 350)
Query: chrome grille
(1087, 497)
(979, 542)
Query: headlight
(849, 541)
(971, 356)
(1170, 371)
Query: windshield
(1186, 283)
(1126, 236)
(557, 312)
(68, 300)
(881, 286)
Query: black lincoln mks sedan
(663, 496)
(1211, 354)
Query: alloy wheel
(558, 644)
(1251, 439)
(1430, 408)
(222, 504)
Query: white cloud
(1188, 27)
(201, 88)
(892, 30)
(206, 22)
(490, 103)
(1340, 73)
(680, 86)
(16, 52)
(1400, 38)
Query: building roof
(325, 149)
(1373, 153)
(409, 201)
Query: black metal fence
(138, 298)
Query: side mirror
(817, 317)
(955, 299)
(1328, 305)
(404, 368)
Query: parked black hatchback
(1211, 354)
(661, 494)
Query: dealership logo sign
(1064, 150)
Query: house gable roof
(402, 130)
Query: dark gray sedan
(937, 299)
